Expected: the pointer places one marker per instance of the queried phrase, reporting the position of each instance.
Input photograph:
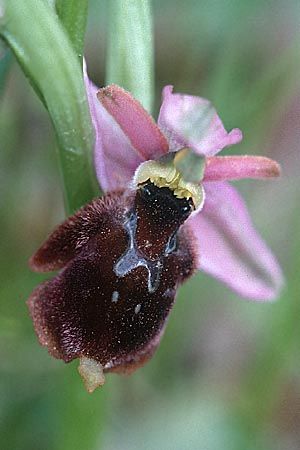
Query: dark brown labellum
(122, 258)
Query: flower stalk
(130, 61)
(34, 33)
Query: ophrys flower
(122, 257)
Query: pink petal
(115, 157)
(193, 122)
(136, 123)
(221, 168)
(229, 247)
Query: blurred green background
(227, 373)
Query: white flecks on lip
(115, 296)
(137, 308)
(168, 293)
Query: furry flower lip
(168, 211)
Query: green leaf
(73, 15)
(42, 48)
(130, 48)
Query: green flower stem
(130, 48)
(73, 15)
(33, 31)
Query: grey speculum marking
(132, 258)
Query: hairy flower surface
(168, 212)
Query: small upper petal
(221, 168)
(229, 247)
(193, 122)
(136, 123)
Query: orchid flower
(123, 256)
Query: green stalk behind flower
(43, 50)
(130, 61)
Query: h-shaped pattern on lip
(132, 258)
